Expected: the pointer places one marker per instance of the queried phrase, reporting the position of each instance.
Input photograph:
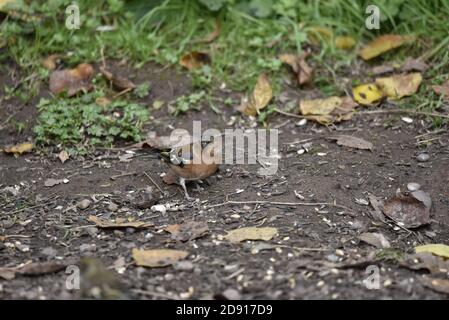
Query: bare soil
(305, 261)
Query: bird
(192, 162)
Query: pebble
(113, 207)
(231, 294)
(84, 204)
(423, 157)
(86, 247)
(413, 186)
(183, 266)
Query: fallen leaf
(353, 142)
(260, 97)
(194, 60)
(426, 261)
(72, 80)
(251, 233)
(8, 273)
(328, 110)
(157, 257)
(63, 156)
(2, 238)
(118, 81)
(41, 268)
(383, 44)
(103, 101)
(50, 62)
(300, 67)
(411, 64)
(19, 148)
(187, 231)
(423, 197)
(442, 90)
(438, 285)
(106, 224)
(382, 69)
(165, 142)
(344, 43)
(437, 249)
(315, 34)
(398, 86)
(377, 240)
(377, 204)
(407, 210)
(50, 182)
(367, 94)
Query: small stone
(423, 157)
(83, 204)
(413, 186)
(183, 266)
(231, 294)
(49, 252)
(333, 258)
(407, 120)
(130, 230)
(113, 207)
(301, 123)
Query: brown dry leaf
(187, 231)
(7, 273)
(407, 210)
(72, 80)
(367, 94)
(103, 223)
(63, 156)
(383, 44)
(352, 142)
(157, 257)
(195, 59)
(375, 239)
(377, 204)
(118, 81)
(50, 182)
(437, 249)
(438, 285)
(19, 149)
(426, 261)
(442, 90)
(299, 66)
(345, 42)
(261, 96)
(328, 110)
(165, 142)
(251, 233)
(398, 86)
(411, 64)
(40, 268)
(382, 69)
(103, 101)
(50, 62)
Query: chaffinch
(192, 162)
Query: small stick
(154, 182)
(123, 175)
(312, 204)
(122, 93)
(421, 113)
(289, 114)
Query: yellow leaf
(316, 34)
(366, 94)
(119, 223)
(251, 233)
(260, 97)
(437, 249)
(157, 257)
(19, 148)
(399, 86)
(383, 44)
(344, 43)
(319, 106)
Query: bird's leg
(182, 182)
(198, 187)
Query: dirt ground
(316, 254)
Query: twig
(312, 204)
(154, 182)
(421, 113)
(122, 93)
(289, 114)
(123, 175)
